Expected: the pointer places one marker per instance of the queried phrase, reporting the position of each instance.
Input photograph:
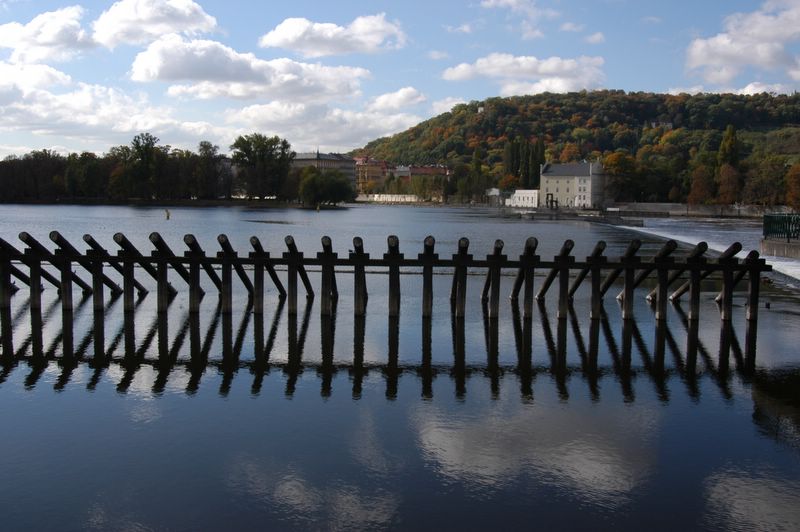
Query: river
(308, 422)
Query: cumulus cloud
(446, 104)
(437, 55)
(309, 125)
(571, 26)
(531, 13)
(30, 77)
(368, 34)
(142, 21)
(463, 28)
(54, 35)
(595, 38)
(393, 101)
(758, 39)
(215, 70)
(530, 75)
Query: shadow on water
(624, 354)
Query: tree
(793, 186)
(729, 185)
(729, 148)
(143, 171)
(702, 189)
(620, 169)
(328, 187)
(264, 163)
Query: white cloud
(437, 55)
(651, 19)
(695, 89)
(27, 78)
(571, 26)
(758, 39)
(528, 10)
(446, 104)
(595, 38)
(368, 34)
(394, 101)
(54, 35)
(530, 75)
(758, 87)
(143, 21)
(216, 70)
(463, 28)
(311, 125)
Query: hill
(657, 146)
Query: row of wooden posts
(219, 268)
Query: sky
(91, 74)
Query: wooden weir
(27, 267)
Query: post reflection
(161, 344)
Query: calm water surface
(304, 422)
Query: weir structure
(28, 267)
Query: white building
(524, 198)
(572, 185)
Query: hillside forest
(700, 149)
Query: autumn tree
(702, 188)
(728, 152)
(793, 187)
(729, 185)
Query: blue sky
(333, 75)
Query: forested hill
(666, 137)
(598, 120)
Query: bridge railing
(782, 226)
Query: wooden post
(135, 255)
(96, 266)
(128, 280)
(663, 265)
(162, 280)
(753, 255)
(359, 259)
(629, 263)
(496, 260)
(33, 260)
(5, 281)
(647, 269)
(195, 292)
(566, 249)
(697, 251)
(44, 255)
(393, 257)
(528, 260)
(596, 264)
(598, 250)
(226, 295)
(93, 244)
(293, 258)
(633, 247)
(732, 250)
(755, 267)
(65, 271)
(168, 256)
(199, 255)
(428, 258)
(259, 265)
(328, 277)
(727, 265)
(259, 251)
(462, 260)
(564, 261)
(86, 261)
(695, 273)
(237, 265)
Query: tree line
(258, 167)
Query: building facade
(573, 185)
(370, 174)
(327, 161)
(523, 198)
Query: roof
(317, 156)
(582, 169)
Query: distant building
(370, 173)
(524, 198)
(327, 161)
(572, 185)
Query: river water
(307, 422)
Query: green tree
(793, 187)
(264, 163)
(729, 148)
